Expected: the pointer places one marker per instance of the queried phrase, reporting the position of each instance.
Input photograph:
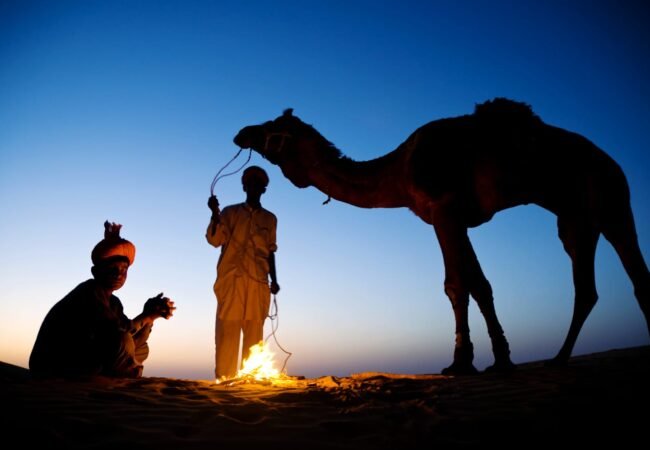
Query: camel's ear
(288, 112)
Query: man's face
(254, 186)
(111, 274)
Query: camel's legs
(481, 290)
(621, 233)
(579, 238)
(454, 243)
(464, 276)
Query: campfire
(259, 364)
(258, 368)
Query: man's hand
(159, 306)
(275, 287)
(213, 204)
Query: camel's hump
(501, 108)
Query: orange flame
(259, 364)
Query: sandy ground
(600, 399)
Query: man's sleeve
(125, 323)
(217, 234)
(273, 246)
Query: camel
(456, 173)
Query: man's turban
(112, 245)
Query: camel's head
(287, 142)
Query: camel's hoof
(501, 367)
(460, 369)
(556, 362)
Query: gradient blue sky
(125, 110)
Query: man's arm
(275, 287)
(215, 234)
(211, 232)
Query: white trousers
(227, 335)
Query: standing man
(246, 234)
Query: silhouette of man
(87, 333)
(246, 234)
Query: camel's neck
(367, 184)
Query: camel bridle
(284, 135)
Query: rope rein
(275, 323)
(218, 176)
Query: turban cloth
(112, 245)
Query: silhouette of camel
(456, 173)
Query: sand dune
(592, 402)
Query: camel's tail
(617, 224)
